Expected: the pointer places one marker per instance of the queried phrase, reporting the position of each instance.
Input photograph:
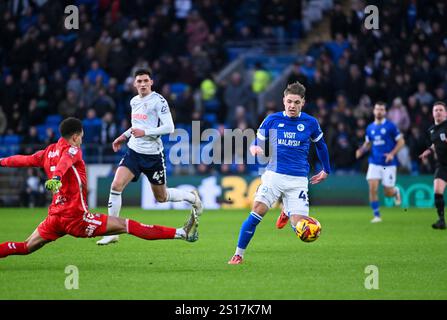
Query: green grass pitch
(410, 257)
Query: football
(308, 229)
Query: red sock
(149, 232)
(11, 248)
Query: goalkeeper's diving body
(68, 212)
(289, 133)
(151, 118)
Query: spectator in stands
(15, 120)
(196, 30)
(9, 92)
(184, 107)
(275, 16)
(109, 133)
(355, 86)
(42, 95)
(241, 118)
(75, 85)
(215, 51)
(422, 95)
(92, 127)
(237, 93)
(69, 106)
(339, 21)
(260, 80)
(337, 47)
(103, 103)
(57, 88)
(201, 62)
(297, 75)
(50, 136)
(96, 72)
(31, 141)
(398, 115)
(118, 61)
(34, 116)
(33, 194)
(342, 150)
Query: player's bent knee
(260, 207)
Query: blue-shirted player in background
(289, 133)
(385, 141)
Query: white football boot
(107, 240)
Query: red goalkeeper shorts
(82, 226)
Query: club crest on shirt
(72, 151)
(300, 127)
(383, 131)
(442, 136)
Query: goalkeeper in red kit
(68, 212)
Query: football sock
(176, 195)
(114, 203)
(375, 208)
(247, 231)
(180, 233)
(396, 190)
(439, 203)
(149, 232)
(13, 248)
(239, 252)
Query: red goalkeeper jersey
(63, 160)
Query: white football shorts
(385, 173)
(292, 190)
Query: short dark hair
(142, 71)
(440, 103)
(295, 88)
(69, 127)
(381, 103)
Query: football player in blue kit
(289, 133)
(384, 141)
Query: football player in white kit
(151, 118)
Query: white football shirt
(151, 114)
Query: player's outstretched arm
(399, 145)
(318, 177)
(323, 155)
(20, 161)
(363, 149)
(424, 155)
(116, 144)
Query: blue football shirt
(290, 141)
(383, 138)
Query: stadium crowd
(49, 73)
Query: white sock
(180, 233)
(176, 195)
(396, 191)
(239, 252)
(114, 203)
